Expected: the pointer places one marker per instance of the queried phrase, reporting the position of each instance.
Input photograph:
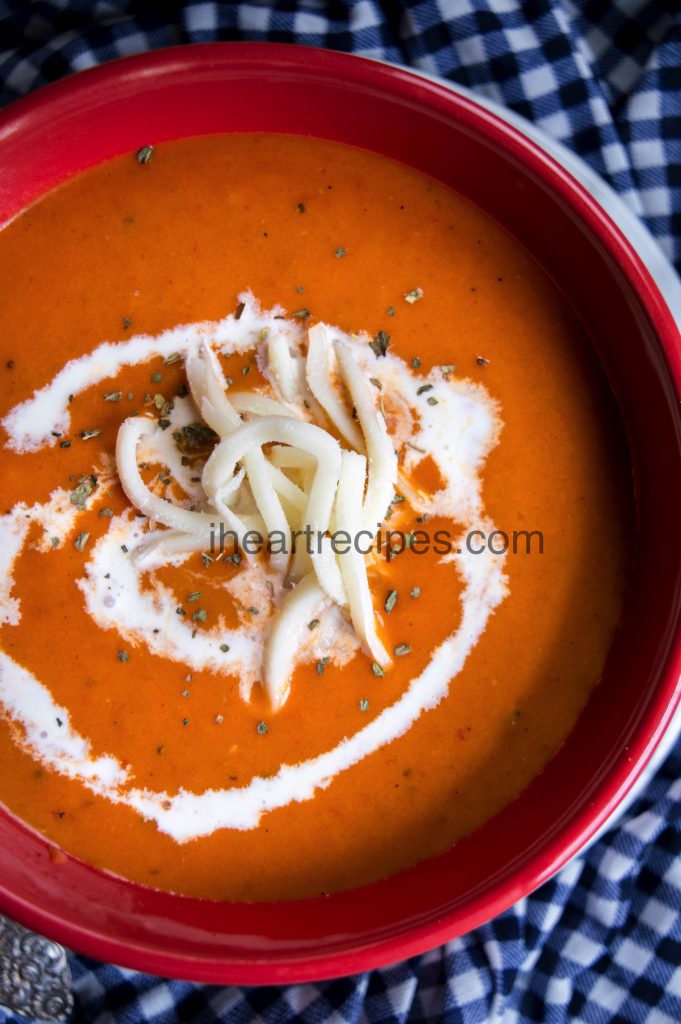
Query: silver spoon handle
(35, 980)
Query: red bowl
(195, 90)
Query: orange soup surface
(251, 725)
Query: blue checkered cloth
(602, 941)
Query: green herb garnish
(81, 493)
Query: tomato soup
(315, 518)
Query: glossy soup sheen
(129, 248)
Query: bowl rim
(558, 849)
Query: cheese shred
(275, 468)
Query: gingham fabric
(602, 941)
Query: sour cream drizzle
(457, 432)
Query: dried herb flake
(379, 346)
(80, 541)
(81, 493)
(194, 436)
